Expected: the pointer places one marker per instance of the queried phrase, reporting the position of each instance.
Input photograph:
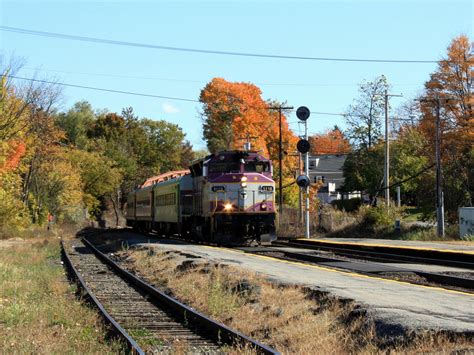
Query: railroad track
(388, 253)
(374, 264)
(145, 318)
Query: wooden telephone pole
(280, 155)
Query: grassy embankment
(288, 318)
(38, 309)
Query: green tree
(407, 160)
(100, 176)
(363, 170)
(166, 142)
(76, 123)
(364, 117)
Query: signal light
(303, 181)
(303, 146)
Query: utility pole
(387, 150)
(439, 191)
(280, 155)
(439, 171)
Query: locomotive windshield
(224, 167)
(257, 167)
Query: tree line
(234, 111)
(412, 161)
(69, 163)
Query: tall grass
(38, 310)
(292, 319)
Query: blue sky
(402, 29)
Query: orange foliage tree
(452, 84)
(16, 150)
(234, 112)
(331, 142)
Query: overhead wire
(203, 51)
(103, 89)
(172, 98)
(201, 82)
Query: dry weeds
(287, 318)
(38, 310)
(283, 317)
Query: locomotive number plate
(266, 188)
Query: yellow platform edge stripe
(353, 274)
(457, 251)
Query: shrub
(350, 205)
(380, 215)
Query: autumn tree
(235, 112)
(100, 177)
(331, 142)
(364, 117)
(451, 83)
(231, 112)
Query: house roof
(329, 166)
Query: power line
(103, 89)
(203, 51)
(150, 95)
(115, 91)
(418, 173)
(202, 82)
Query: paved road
(389, 302)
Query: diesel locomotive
(227, 198)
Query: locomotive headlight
(228, 207)
(263, 206)
(243, 181)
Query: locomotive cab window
(257, 167)
(224, 167)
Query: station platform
(392, 304)
(444, 247)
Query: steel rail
(441, 279)
(218, 331)
(373, 256)
(132, 345)
(425, 256)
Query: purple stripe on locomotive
(236, 178)
(261, 207)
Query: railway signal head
(302, 113)
(303, 181)
(303, 146)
